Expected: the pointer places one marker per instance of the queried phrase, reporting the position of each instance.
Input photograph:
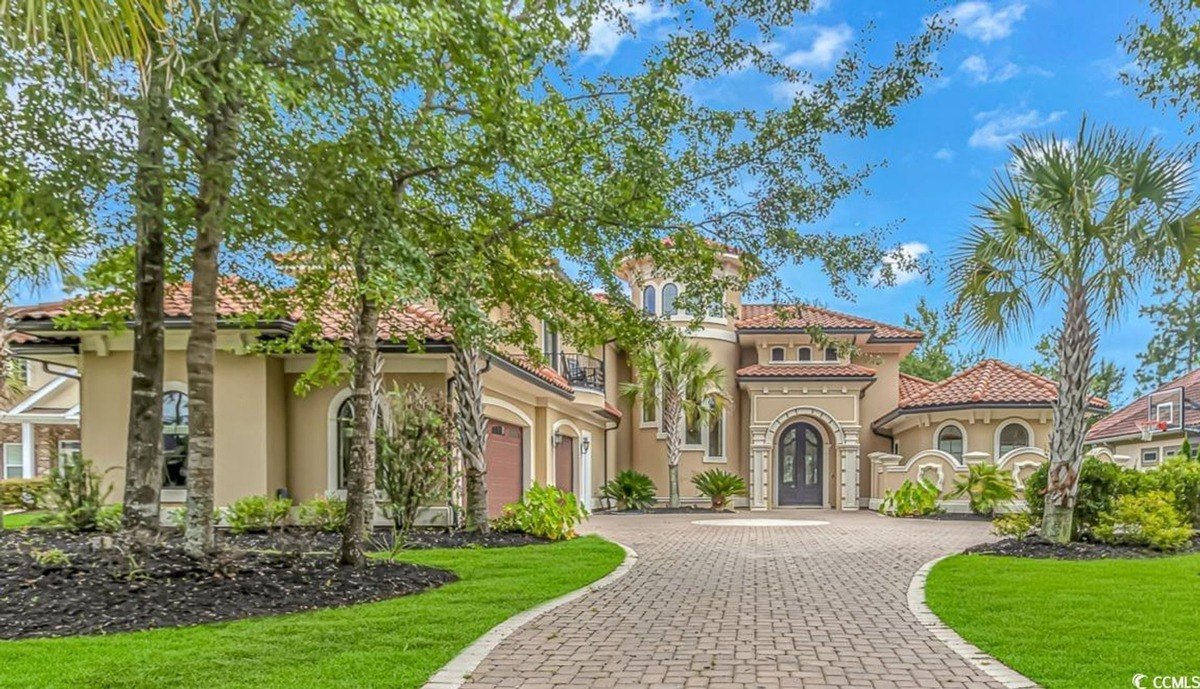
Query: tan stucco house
(1151, 428)
(829, 423)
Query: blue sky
(1012, 67)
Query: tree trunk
(1076, 348)
(360, 475)
(144, 453)
(212, 203)
(472, 430)
(673, 424)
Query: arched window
(950, 441)
(1012, 436)
(831, 354)
(345, 435)
(670, 292)
(175, 439)
(648, 295)
(804, 354)
(777, 354)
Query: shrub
(1149, 519)
(1100, 483)
(986, 487)
(544, 512)
(74, 494)
(256, 513)
(632, 490)
(1181, 478)
(324, 512)
(108, 518)
(50, 557)
(177, 517)
(415, 448)
(912, 499)
(719, 486)
(1017, 525)
(22, 493)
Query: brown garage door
(503, 453)
(564, 464)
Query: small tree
(75, 493)
(937, 357)
(416, 445)
(678, 375)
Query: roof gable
(802, 317)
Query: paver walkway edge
(994, 668)
(453, 674)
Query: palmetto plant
(631, 490)
(680, 376)
(719, 486)
(986, 487)
(1079, 223)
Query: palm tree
(91, 33)
(1077, 223)
(678, 375)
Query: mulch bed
(381, 539)
(956, 517)
(688, 509)
(1038, 548)
(112, 589)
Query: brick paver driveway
(733, 607)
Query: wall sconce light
(585, 445)
(558, 438)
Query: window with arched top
(831, 354)
(803, 354)
(175, 439)
(777, 354)
(950, 441)
(345, 435)
(1013, 436)
(669, 293)
(648, 299)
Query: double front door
(800, 466)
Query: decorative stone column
(849, 450)
(758, 469)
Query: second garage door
(503, 452)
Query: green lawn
(1084, 624)
(396, 643)
(22, 519)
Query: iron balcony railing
(580, 370)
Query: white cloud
(788, 91)
(902, 266)
(944, 154)
(608, 33)
(979, 20)
(999, 128)
(829, 43)
(982, 73)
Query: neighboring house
(39, 427)
(807, 423)
(1152, 427)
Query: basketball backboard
(1166, 407)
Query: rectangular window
(1149, 456)
(692, 435)
(68, 450)
(649, 413)
(716, 437)
(1169, 452)
(14, 462)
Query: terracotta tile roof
(806, 371)
(1123, 422)
(776, 317)
(990, 382)
(546, 373)
(911, 386)
(612, 410)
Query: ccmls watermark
(1166, 681)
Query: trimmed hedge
(19, 492)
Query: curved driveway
(737, 607)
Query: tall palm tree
(1078, 224)
(679, 375)
(92, 33)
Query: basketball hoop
(1149, 428)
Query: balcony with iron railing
(580, 370)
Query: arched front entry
(800, 465)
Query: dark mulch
(686, 509)
(381, 539)
(956, 517)
(117, 589)
(1038, 548)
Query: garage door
(503, 453)
(564, 464)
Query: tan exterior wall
(1133, 449)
